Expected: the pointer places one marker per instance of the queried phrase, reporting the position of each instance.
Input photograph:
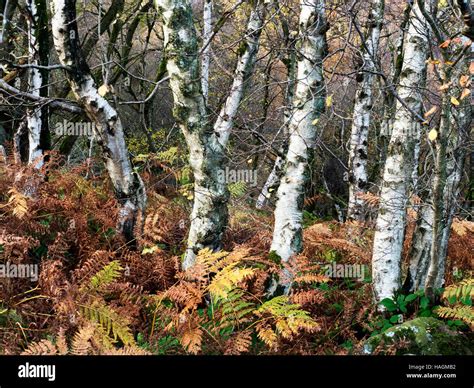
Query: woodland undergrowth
(97, 295)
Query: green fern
(107, 275)
(289, 318)
(235, 309)
(238, 189)
(460, 291)
(463, 313)
(111, 322)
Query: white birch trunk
(390, 227)
(129, 188)
(358, 175)
(273, 181)
(206, 54)
(209, 216)
(33, 115)
(449, 161)
(309, 103)
(420, 249)
(245, 65)
(37, 116)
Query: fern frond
(191, 340)
(81, 343)
(311, 278)
(112, 323)
(267, 335)
(238, 189)
(308, 297)
(41, 348)
(107, 275)
(235, 309)
(289, 318)
(128, 351)
(461, 312)
(18, 202)
(227, 279)
(239, 344)
(61, 343)
(461, 290)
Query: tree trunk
(358, 176)
(430, 240)
(309, 103)
(390, 227)
(108, 129)
(273, 181)
(206, 54)
(206, 145)
(37, 117)
(389, 99)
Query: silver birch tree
(309, 103)
(108, 128)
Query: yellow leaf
(433, 135)
(315, 122)
(329, 101)
(431, 111)
(449, 63)
(103, 90)
(465, 93)
(433, 61)
(455, 101)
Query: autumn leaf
(464, 80)
(455, 101)
(471, 68)
(433, 61)
(444, 87)
(329, 101)
(431, 111)
(103, 90)
(445, 44)
(465, 93)
(433, 135)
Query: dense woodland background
(211, 177)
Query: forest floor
(87, 292)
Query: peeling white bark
(390, 228)
(34, 115)
(129, 188)
(273, 181)
(206, 54)
(308, 105)
(249, 49)
(358, 176)
(209, 216)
